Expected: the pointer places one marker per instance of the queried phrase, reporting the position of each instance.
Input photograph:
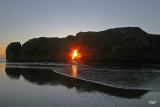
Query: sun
(75, 55)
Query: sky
(21, 20)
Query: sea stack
(118, 45)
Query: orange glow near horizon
(75, 55)
(2, 51)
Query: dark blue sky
(21, 20)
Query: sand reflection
(74, 70)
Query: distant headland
(118, 45)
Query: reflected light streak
(2, 68)
(74, 70)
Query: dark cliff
(122, 45)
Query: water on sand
(70, 85)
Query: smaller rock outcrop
(12, 51)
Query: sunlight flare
(75, 54)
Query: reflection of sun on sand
(74, 70)
(2, 68)
(75, 56)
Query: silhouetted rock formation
(12, 51)
(128, 44)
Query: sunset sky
(21, 20)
